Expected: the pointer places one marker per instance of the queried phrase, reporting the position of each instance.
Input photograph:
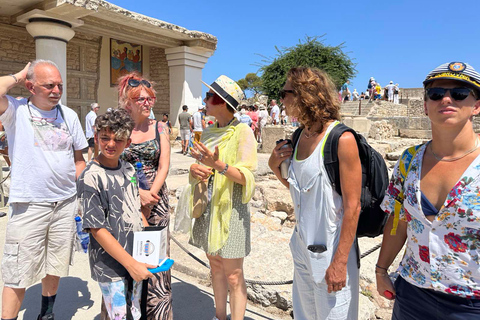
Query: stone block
(361, 124)
(270, 135)
(415, 134)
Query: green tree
(311, 52)
(251, 82)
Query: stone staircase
(350, 108)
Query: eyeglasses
(284, 92)
(142, 100)
(457, 94)
(52, 86)
(208, 95)
(135, 83)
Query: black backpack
(374, 178)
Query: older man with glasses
(46, 141)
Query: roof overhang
(100, 17)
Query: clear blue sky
(389, 40)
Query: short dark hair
(117, 121)
(165, 115)
(185, 107)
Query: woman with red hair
(151, 147)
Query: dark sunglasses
(283, 93)
(208, 95)
(135, 83)
(457, 94)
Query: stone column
(185, 68)
(51, 33)
(51, 38)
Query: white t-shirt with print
(40, 147)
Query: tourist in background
(345, 91)
(274, 112)
(396, 91)
(262, 119)
(167, 123)
(150, 145)
(378, 91)
(439, 274)
(253, 114)
(390, 91)
(185, 120)
(226, 159)
(355, 95)
(326, 276)
(89, 132)
(198, 120)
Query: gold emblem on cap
(457, 66)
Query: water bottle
(285, 163)
(83, 237)
(142, 179)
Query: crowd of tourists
(436, 216)
(374, 91)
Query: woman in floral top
(440, 215)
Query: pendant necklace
(308, 136)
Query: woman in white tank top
(325, 284)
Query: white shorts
(38, 241)
(185, 134)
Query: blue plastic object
(163, 267)
(83, 237)
(142, 179)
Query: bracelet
(12, 75)
(386, 269)
(383, 274)
(224, 170)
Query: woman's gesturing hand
(200, 172)
(203, 155)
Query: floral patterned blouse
(442, 255)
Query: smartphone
(317, 248)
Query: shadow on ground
(190, 302)
(72, 295)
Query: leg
(238, 289)
(219, 284)
(50, 285)
(11, 302)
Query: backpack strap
(296, 137)
(157, 135)
(330, 153)
(404, 168)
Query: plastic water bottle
(142, 179)
(83, 237)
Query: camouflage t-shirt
(109, 199)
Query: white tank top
(318, 207)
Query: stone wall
(17, 48)
(410, 93)
(83, 72)
(159, 73)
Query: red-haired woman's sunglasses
(135, 83)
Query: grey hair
(117, 121)
(94, 105)
(31, 68)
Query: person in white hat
(390, 90)
(198, 120)
(433, 202)
(262, 119)
(226, 159)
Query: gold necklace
(456, 158)
(308, 136)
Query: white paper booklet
(150, 246)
